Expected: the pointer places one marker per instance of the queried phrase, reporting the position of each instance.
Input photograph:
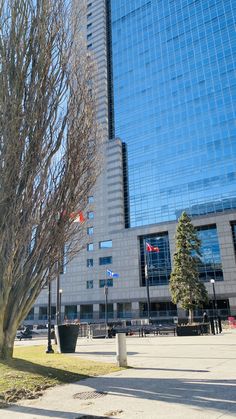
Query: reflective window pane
(106, 260)
(90, 215)
(156, 263)
(90, 199)
(174, 92)
(89, 284)
(210, 266)
(105, 282)
(90, 231)
(89, 263)
(105, 244)
(233, 226)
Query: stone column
(96, 312)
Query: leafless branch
(49, 146)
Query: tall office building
(166, 90)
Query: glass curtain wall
(174, 91)
(158, 263)
(210, 266)
(233, 226)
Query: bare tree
(49, 146)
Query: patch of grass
(32, 370)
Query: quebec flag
(112, 274)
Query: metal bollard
(121, 353)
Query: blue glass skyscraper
(174, 90)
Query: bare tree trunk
(190, 317)
(7, 342)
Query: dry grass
(31, 371)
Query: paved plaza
(171, 377)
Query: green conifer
(185, 287)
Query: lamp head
(212, 281)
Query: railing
(125, 315)
(41, 317)
(157, 314)
(110, 315)
(86, 316)
(222, 312)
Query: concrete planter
(66, 335)
(189, 330)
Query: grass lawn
(31, 371)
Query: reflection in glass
(89, 284)
(106, 260)
(108, 282)
(210, 266)
(105, 244)
(233, 226)
(174, 90)
(158, 263)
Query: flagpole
(106, 307)
(59, 270)
(147, 281)
(58, 297)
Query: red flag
(77, 217)
(150, 248)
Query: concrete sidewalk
(172, 377)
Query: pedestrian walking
(205, 317)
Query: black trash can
(66, 335)
(205, 328)
(219, 324)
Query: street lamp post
(147, 281)
(57, 298)
(49, 349)
(109, 274)
(215, 304)
(60, 296)
(106, 307)
(148, 293)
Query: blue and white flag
(112, 274)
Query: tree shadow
(45, 371)
(216, 395)
(102, 353)
(192, 357)
(168, 369)
(47, 413)
(202, 393)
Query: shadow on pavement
(52, 413)
(102, 353)
(201, 393)
(168, 369)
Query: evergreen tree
(185, 286)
